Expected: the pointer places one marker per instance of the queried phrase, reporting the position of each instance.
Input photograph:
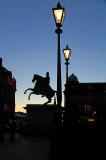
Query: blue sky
(28, 43)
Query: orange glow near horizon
(20, 109)
(20, 104)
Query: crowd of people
(13, 126)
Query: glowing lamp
(67, 52)
(59, 15)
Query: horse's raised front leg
(30, 95)
(31, 89)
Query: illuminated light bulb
(59, 15)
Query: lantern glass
(63, 17)
(67, 52)
(59, 14)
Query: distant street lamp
(59, 15)
(67, 53)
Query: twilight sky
(28, 43)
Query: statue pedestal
(40, 118)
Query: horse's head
(34, 78)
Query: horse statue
(42, 87)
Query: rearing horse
(41, 88)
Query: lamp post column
(66, 100)
(59, 15)
(59, 83)
(67, 63)
(67, 53)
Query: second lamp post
(67, 53)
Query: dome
(73, 78)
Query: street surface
(36, 148)
(65, 144)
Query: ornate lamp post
(67, 53)
(59, 15)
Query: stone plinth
(40, 118)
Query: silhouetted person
(47, 78)
(1, 133)
(12, 127)
(20, 129)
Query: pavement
(64, 145)
(28, 148)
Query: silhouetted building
(7, 93)
(86, 98)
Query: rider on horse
(42, 87)
(46, 82)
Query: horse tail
(54, 92)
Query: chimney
(0, 62)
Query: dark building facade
(7, 93)
(86, 98)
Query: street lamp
(59, 15)
(67, 53)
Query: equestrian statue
(42, 87)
